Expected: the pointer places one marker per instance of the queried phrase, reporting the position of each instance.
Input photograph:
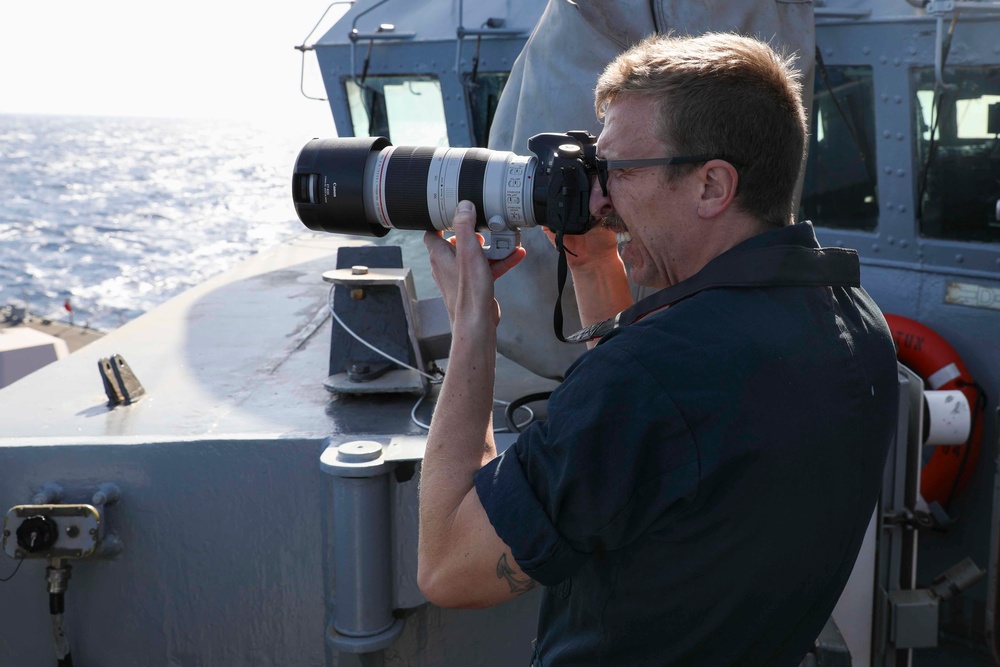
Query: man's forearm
(601, 291)
(461, 436)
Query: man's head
(720, 95)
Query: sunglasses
(604, 166)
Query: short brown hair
(726, 95)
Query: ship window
(483, 94)
(958, 147)
(407, 110)
(841, 182)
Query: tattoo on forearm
(518, 584)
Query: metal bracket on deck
(384, 339)
(120, 383)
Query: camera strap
(772, 266)
(561, 272)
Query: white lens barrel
(419, 188)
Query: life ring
(931, 357)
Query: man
(587, 35)
(702, 485)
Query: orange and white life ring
(931, 357)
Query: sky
(184, 58)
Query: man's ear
(719, 180)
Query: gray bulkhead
(225, 521)
(940, 265)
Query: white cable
(502, 429)
(413, 414)
(531, 417)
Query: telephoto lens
(366, 186)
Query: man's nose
(600, 203)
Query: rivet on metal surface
(903, 243)
(891, 240)
(888, 171)
(902, 208)
(901, 172)
(885, 97)
(900, 136)
(883, 60)
(898, 99)
(829, 52)
(890, 206)
(887, 134)
(959, 258)
(896, 62)
(866, 50)
(875, 247)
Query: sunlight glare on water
(117, 215)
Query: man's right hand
(591, 251)
(599, 277)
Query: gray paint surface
(225, 514)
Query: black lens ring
(338, 203)
(406, 200)
(471, 180)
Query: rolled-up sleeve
(515, 512)
(614, 460)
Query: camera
(367, 186)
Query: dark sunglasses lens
(602, 176)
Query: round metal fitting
(496, 224)
(359, 270)
(359, 451)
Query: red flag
(68, 306)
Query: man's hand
(462, 272)
(598, 247)
(599, 277)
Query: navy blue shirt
(701, 488)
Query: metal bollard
(362, 619)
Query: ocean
(113, 216)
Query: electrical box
(51, 531)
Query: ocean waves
(115, 215)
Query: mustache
(613, 222)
